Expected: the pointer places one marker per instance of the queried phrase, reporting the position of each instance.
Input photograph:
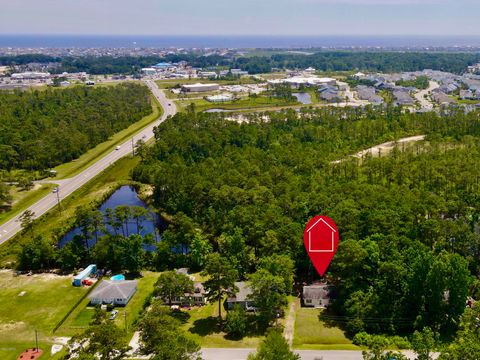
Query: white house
(113, 292)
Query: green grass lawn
(80, 319)
(243, 103)
(103, 184)
(134, 307)
(203, 325)
(46, 300)
(24, 199)
(74, 167)
(312, 333)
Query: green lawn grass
(103, 184)
(24, 199)
(46, 300)
(135, 306)
(243, 103)
(312, 333)
(202, 324)
(91, 156)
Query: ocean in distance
(143, 41)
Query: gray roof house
(113, 292)
(369, 93)
(241, 297)
(402, 97)
(318, 295)
(197, 298)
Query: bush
(236, 325)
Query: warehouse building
(200, 87)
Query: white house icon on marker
(321, 243)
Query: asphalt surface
(242, 354)
(420, 95)
(68, 186)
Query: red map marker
(321, 241)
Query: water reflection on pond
(147, 223)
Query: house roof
(242, 294)
(320, 291)
(109, 289)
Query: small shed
(90, 269)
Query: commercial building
(200, 87)
(30, 75)
(113, 292)
(149, 71)
(219, 98)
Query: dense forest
(408, 221)
(41, 129)
(238, 195)
(323, 61)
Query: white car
(113, 314)
(117, 148)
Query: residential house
(402, 97)
(442, 98)
(113, 292)
(196, 298)
(241, 297)
(318, 295)
(329, 94)
(368, 93)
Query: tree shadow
(181, 316)
(207, 326)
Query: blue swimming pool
(118, 277)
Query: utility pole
(58, 199)
(133, 148)
(36, 339)
(125, 318)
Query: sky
(241, 17)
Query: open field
(24, 199)
(81, 317)
(46, 300)
(244, 103)
(312, 333)
(74, 167)
(95, 190)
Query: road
(68, 186)
(377, 150)
(242, 354)
(420, 95)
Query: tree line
(381, 61)
(42, 129)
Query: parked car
(113, 314)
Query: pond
(125, 195)
(303, 97)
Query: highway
(68, 186)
